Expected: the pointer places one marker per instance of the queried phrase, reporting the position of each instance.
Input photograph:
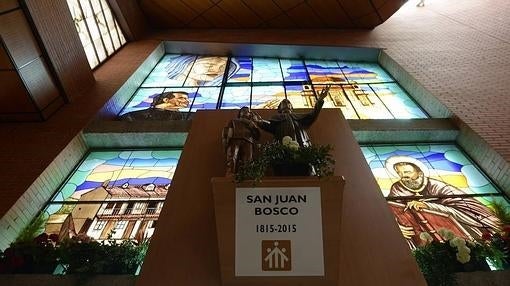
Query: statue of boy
(239, 138)
(288, 123)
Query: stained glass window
(359, 90)
(98, 29)
(433, 186)
(116, 194)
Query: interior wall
(29, 91)
(130, 18)
(62, 45)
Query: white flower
(463, 250)
(463, 257)
(446, 233)
(425, 236)
(457, 242)
(294, 145)
(286, 140)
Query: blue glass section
(235, 97)
(136, 167)
(241, 68)
(142, 99)
(323, 72)
(171, 70)
(293, 70)
(205, 98)
(397, 101)
(364, 72)
(266, 70)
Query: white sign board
(279, 232)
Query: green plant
(438, 261)
(317, 158)
(77, 255)
(502, 239)
(80, 256)
(32, 230)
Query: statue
(288, 123)
(239, 138)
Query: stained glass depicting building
(433, 186)
(116, 194)
(359, 90)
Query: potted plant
(287, 158)
(439, 261)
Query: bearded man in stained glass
(427, 196)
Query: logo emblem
(276, 255)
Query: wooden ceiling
(237, 14)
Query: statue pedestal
(281, 231)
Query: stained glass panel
(267, 97)
(433, 186)
(266, 70)
(324, 72)
(366, 103)
(127, 174)
(336, 99)
(236, 97)
(171, 70)
(397, 100)
(205, 98)
(263, 82)
(301, 96)
(293, 70)
(206, 71)
(113, 219)
(242, 68)
(364, 73)
(169, 99)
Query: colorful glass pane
(293, 70)
(259, 82)
(205, 98)
(397, 100)
(364, 73)
(112, 219)
(241, 68)
(168, 99)
(429, 187)
(324, 72)
(301, 96)
(267, 97)
(445, 163)
(206, 71)
(126, 174)
(142, 99)
(236, 97)
(366, 103)
(170, 71)
(266, 70)
(336, 99)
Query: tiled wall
(32, 201)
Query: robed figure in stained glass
(426, 204)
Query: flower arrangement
(438, 261)
(287, 158)
(77, 255)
